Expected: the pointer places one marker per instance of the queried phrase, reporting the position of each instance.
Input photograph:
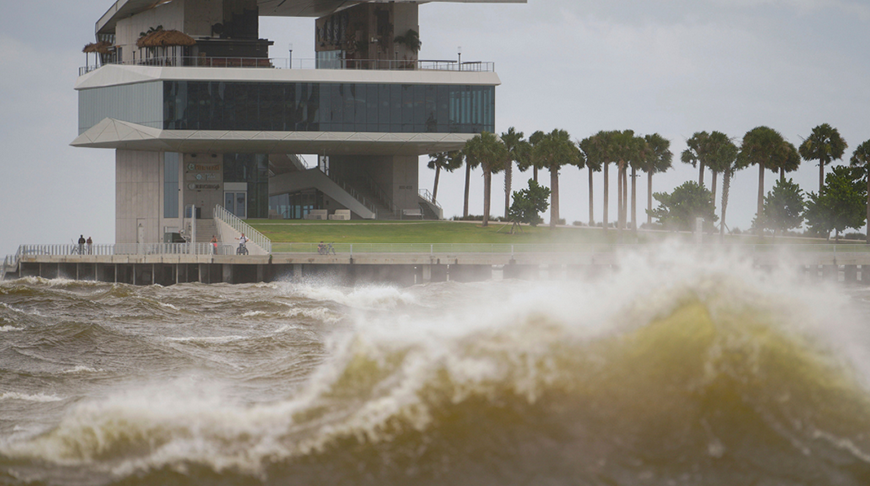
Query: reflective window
(170, 185)
(336, 107)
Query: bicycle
(242, 249)
(325, 250)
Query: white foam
(10, 328)
(39, 397)
(82, 369)
(207, 339)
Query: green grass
(452, 232)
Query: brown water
(682, 370)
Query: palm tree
(518, 151)
(469, 164)
(639, 156)
(439, 161)
(764, 147)
(554, 150)
(861, 161)
(534, 140)
(490, 153)
(719, 155)
(791, 160)
(825, 145)
(696, 154)
(658, 159)
(592, 154)
(624, 148)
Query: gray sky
(673, 67)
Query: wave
(680, 368)
(39, 397)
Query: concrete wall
(397, 175)
(208, 190)
(200, 15)
(138, 195)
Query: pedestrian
(90, 246)
(81, 244)
(214, 243)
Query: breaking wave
(678, 369)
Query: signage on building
(201, 187)
(203, 167)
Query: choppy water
(684, 370)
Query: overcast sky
(673, 67)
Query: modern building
(199, 115)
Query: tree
(469, 164)
(529, 204)
(783, 207)
(594, 162)
(518, 151)
(442, 160)
(658, 159)
(530, 161)
(839, 205)
(554, 150)
(624, 147)
(678, 210)
(764, 147)
(825, 145)
(861, 162)
(728, 162)
(696, 153)
(490, 153)
(720, 153)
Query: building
(199, 115)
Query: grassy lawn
(442, 232)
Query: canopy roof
(101, 47)
(268, 8)
(165, 38)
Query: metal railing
(237, 224)
(284, 63)
(117, 249)
(425, 194)
(353, 193)
(567, 248)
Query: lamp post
(459, 55)
(290, 61)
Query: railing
(237, 224)
(353, 193)
(284, 63)
(118, 249)
(567, 248)
(425, 194)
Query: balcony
(284, 63)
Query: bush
(855, 236)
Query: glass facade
(328, 107)
(170, 185)
(296, 205)
(254, 170)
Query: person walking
(90, 246)
(81, 244)
(214, 243)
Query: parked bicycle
(325, 249)
(242, 249)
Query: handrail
(242, 227)
(353, 193)
(284, 63)
(114, 249)
(425, 194)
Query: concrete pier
(399, 268)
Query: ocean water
(679, 369)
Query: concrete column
(261, 273)
(850, 273)
(297, 271)
(227, 273)
(427, 273)
(830, 272)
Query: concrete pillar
(261, 273)
(427, 273)
(850, 273)
(297, 271)
(227, 276)
(830, 272)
